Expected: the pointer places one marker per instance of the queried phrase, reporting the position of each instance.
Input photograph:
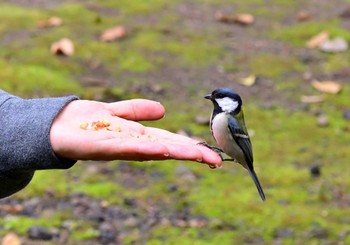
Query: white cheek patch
(227, 104)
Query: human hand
(133, 142)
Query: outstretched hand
(125, 139)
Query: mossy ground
(176, 52)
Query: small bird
(229, 131)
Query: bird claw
(229, 160)
(211, 147)
(217, 150)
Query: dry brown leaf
(327, 86)
(248, 81)
(113, 34)
(304, 16)
(309, 99)
(53, 21)
(11, 239)
(244, 19)
(64, 46)
(317, 40)
(12, 209)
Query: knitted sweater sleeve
(25, 139)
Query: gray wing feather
(242, 140)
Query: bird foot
(211, 147)
(217, 150)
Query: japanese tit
(229, 131)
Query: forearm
(25, 139)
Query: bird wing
(240, 135)
(242, 139)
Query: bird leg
(211, 147)
(217, 150)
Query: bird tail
(257, 183)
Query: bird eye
(220, 96)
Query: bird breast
(224, 138)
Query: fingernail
(199, 160)
(212, 166)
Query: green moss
(195, 52)
(299, 33)
(146, 40)
(98, 53)
(15, 18)
(135, 6)
(289, 85)
(188, 236)
(36, 80)
(84, 232)
(44, 181)
(101, 189)
(274, 66)
(21, 224)
(134, 61)
(77, 17)
(37, 54)
(336, 62)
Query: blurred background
(288, 59)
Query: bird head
(225, 100)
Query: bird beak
(208, 97)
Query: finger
(137, 109)
(209, 156)
(206, 155)
(131, 150)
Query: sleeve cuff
(28, 122)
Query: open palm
(126, 139)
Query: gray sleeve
(25, 139)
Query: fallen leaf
(327, 86)
(11, 239)
(243, 19)
(53, 21)
(317, 40)
(309, 99)
(248, 81)
(12, 209)
(63, 47)
(113, 34)
(303, 16)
